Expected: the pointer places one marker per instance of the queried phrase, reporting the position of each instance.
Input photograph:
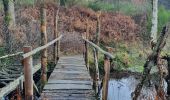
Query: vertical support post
(98, 31)
(86, 55)
(96, 80)
(87, 46)
(106, 77)
(28, 74)
(56, 35)
(43, 42)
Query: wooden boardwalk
(70, 80)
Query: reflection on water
(121, 89)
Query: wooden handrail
(41, 48)
(11, 55)
(99, 49)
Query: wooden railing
(29, 70)
(28, 53)
(11, 55)
(107, 63)
(15, 83)
(28, 63)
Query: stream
(121, 89)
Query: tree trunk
(56, 35)
(151, 61)
(98, 31)
(9, 12)
(63, 2)
(9, 22)
(43, 42)
(168, 77)
(154, 28)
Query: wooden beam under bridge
(13, 85)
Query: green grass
(163, 17)
(70, 3)
(25, 2)
(125, 7)
(129, 8)
(96, 6)
(129, 58)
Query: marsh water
(122, 88)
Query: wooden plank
(73, 56)
(69, 82)
(68, 98)
(76, 65)
(69, 95)
(71, 69)
(67, 86)
(70, 72)
(57, 76)
(73, 59)
(12, 85)
(76, 91)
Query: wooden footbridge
(70, 79)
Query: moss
(7, 18)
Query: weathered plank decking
(70, 80)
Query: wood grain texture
(70, 80)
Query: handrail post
(98, 31)
(106, 77)
(43, 42)
(56, 35)
(28, 74)
(96, 77)
(58, 47)
(86, 55)
(87, 46)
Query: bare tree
(154, 28)
(9, 22)
(43, 42)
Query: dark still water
(121, 89)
